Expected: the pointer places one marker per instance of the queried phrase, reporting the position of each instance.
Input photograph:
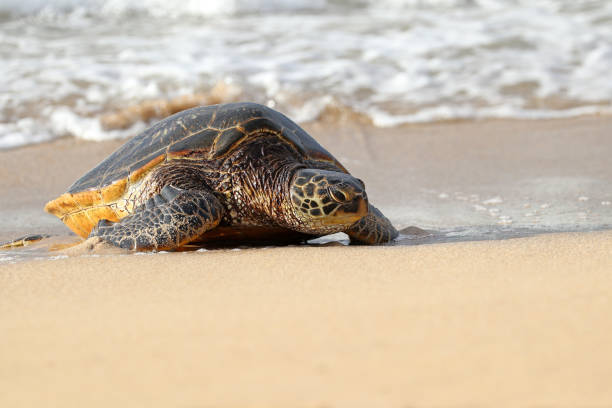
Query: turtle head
(327, 201)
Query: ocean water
(65, 64)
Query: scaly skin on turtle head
(327, 201)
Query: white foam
(65, 122)
(65, 63)
(157, 8)
(493, 201)
(6, 258)
(23, 131)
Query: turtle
(221, 173)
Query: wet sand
(520, 322)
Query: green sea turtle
(238, 171)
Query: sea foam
(66, 63)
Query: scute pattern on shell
(209, 131)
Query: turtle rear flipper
(374, 228)
(23, 241)
(168, 220)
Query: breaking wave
(101, 69)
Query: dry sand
(521, 322)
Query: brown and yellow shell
(211, 132)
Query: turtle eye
(338, 195)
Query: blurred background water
(67, 63)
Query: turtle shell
(212, 131)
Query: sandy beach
(513, 322)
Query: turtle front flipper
(168, 220)
(374, 228)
